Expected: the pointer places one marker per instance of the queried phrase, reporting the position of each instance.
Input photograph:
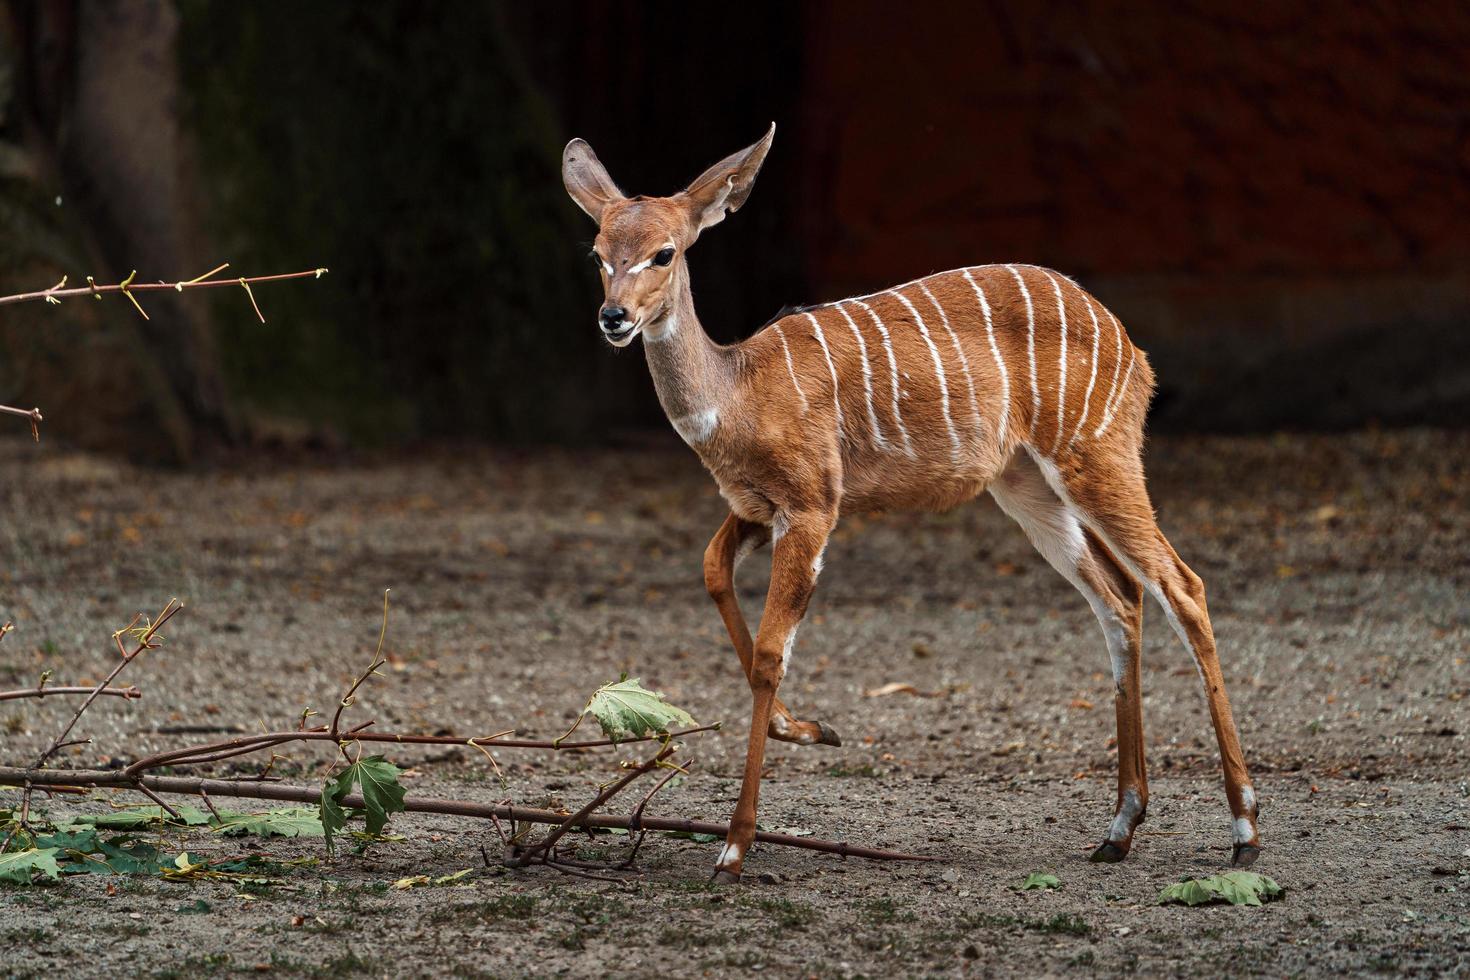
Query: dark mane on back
(788, 310)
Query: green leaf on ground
(85, 852)
(292, 821)
(626, 709)
(1040, 880)
(21, 866)
(138, 816)
(382, 794)
(1232, 887)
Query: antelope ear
(723, 188)
(586, 179)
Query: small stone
(972, 952)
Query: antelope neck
(691, 373)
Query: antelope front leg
(794, 566)
(735, 539)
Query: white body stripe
(1030, 347)
(954, 436)
(908, 444)
(1122, 390)
(836, 401)
(1092, 381)
(867, 379)
(1117, 366)
(960, 353)
(1005, 376)
(1062, 364)
(791, 368)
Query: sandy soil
(1338, 586)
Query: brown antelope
(1007, 378)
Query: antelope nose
(611, 316)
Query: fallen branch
(253, 789)
(41, 691)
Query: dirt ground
(1338, 578)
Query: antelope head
(641, 241)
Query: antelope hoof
(723, 877)
(802, 732)
(1109, 852)
(1245, 855)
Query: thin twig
(33, 414)
(40, 691)
(214, 751)
(128, 286)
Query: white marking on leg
(1030, 345)
(836, 402)
(1061, 364)
(908, 443)
(786, 649)
(1117, 363)
(1245, 831)
(867, 378)
(1092, 381)
(1005, 377)
(729, 855)
(697, 427)
(954, 436)
(791, 368)
(1122, 827)
(1122, 390)
(747, 547)
(1248, 799)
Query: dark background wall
(1271, 196)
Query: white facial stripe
(607, 267)
(790, 367)
(1092, 381)
(836, 401)
(1005, 377)
(1056, 288)
(960, 353)
(633, 270)
(954, 436)
(867, 379)
(908, 443)
(1030, 346)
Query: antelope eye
(664, 256)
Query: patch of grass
(1061, 923)
(863, 771)
(784, 912)
(28, 935)
(330, 927)
(346, 965)
(491, 910)
(194, 966)
(880, 911)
